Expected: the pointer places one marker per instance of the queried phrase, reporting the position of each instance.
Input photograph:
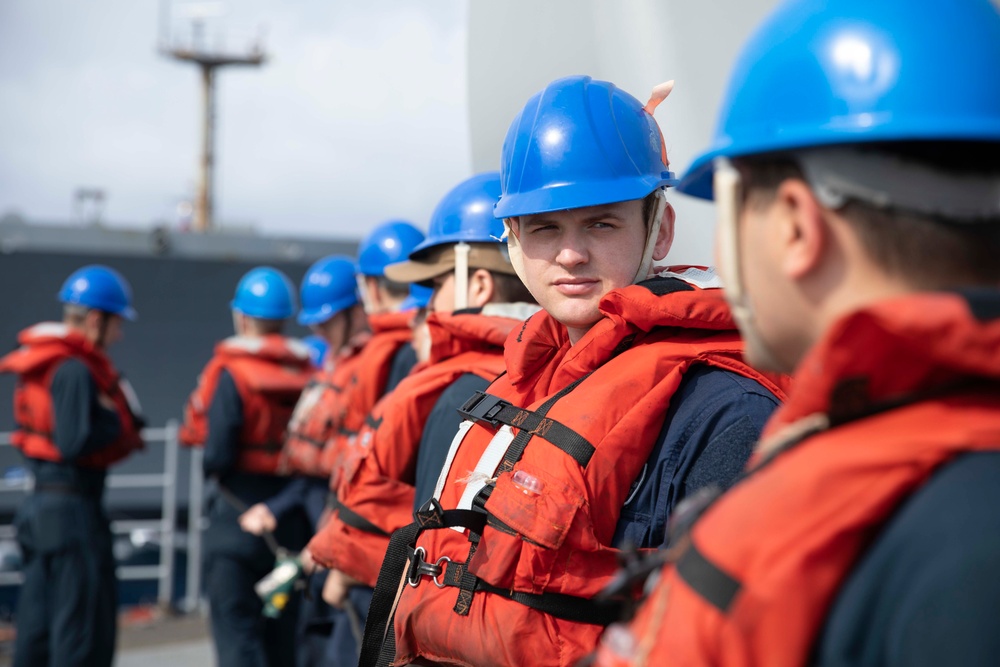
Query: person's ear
(239, 323)
(665, 237)
(802, 233)
(482, 288)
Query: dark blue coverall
(68, 603)
(329, 634)
(234, 560)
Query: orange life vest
(550, 479)
(43, 348)
(375, 485)
(312, 422)
(269, 373)
(888, 396)
(358, 380)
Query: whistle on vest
(276, 588)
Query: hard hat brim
(487, 256)
(579, 195)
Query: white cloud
(360, 114)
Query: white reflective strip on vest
(463, 428)
(486, 467)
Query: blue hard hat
(828, 72)
(465, 214)
(419, 297)
(328, 287)
(101, 288)
(317, 347)
(265, 293)
(577, 143)
(388, 243)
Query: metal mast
(208, 61)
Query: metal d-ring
(437, 564)
(421, 568)
(414, 582)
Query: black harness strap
(566, 607)
(319, 444)
(352, 518)
(717, 587)
(378, 629)
(489, 409)
(378, 648)
(469, 582)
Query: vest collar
(684, 297)
(50, 332)
(274, 347)
(896, 351)
(390, 321)
(43, 342)
(467, 330)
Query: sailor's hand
(106, 402)
(258, 520)
(336, 586)
(308, 564)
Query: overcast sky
(359, 115)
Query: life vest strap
(351, 518)
(379, 639)
(492, 410)
(298, 435)
(718, 588)
(567, 607)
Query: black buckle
(483, 407)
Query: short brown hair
(265, 327)
(508, 288)
(928, 251)
(395, 290)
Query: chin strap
(462, 275)
(728, 187)
(652, 231)
(366, 300)
(645, 264)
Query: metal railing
(166, 525)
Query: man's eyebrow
(603, 213)
(535, 220)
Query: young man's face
(443, 298)
(573, 258)
(333, 331)
(103, 329)
(770, 243)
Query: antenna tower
(208, 61)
